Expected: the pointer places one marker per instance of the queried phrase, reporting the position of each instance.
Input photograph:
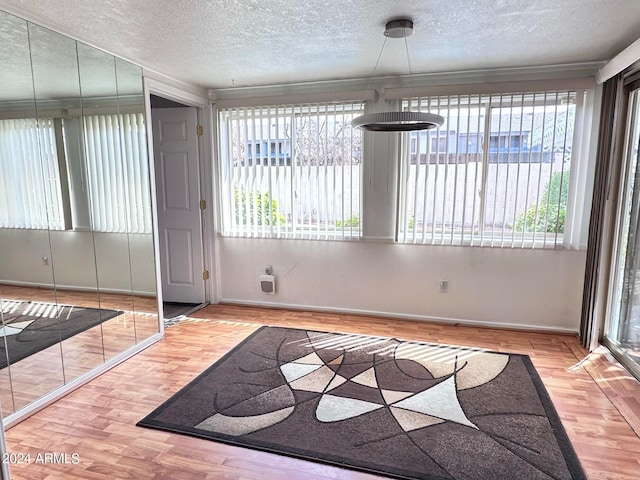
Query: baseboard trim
(401, 316)
(50, 286)
(57, 394)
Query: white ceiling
(224, 43)
(61, 69)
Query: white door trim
(194, 97)
(207, 188)
(176, 91)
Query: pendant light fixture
(397, 121)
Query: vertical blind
(496, 173)
(291, 171)
(30, 195)
(119, 190)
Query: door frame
(626, 119)
(153, 84)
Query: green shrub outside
(263, 204)
(353, 221)
(549, 214)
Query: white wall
(522, 288)
(72, 260)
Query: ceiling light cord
(406, 49)
(373, 74)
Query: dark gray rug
(33, 326)
(386, 406)
(173, 310)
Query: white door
(175, 147)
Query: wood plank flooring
(44, 371)
(597, 402)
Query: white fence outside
(324, 195)
(511, 188)
(311, 194)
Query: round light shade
(397, 121)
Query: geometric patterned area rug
(33, 326)
(403, 409)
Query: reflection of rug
(33, 326)
(405, 409)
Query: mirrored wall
(77, 267)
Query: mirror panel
(16, 107)
(140, 235)
(83, 262)
(36, 366)
(106, 171)
(75, 249)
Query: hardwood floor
(599, 404)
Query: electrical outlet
(45, 260)
(444, 286)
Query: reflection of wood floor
(98, 420)
(31, 378)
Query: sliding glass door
(622, 333)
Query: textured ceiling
(224, 43)
(61, 69)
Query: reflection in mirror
(6, 397)
(105, 170)
(139, 216)
(77, 278)
(16, 114)
(77, 270)
(56, 90)
(109, 190)
(33, 167)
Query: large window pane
(291, 171)
(496, 173)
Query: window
(439, 143)
(413, 148)
(30, 191)
(302, 179)
(508, 192)
(118, 191)
(469, 142)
